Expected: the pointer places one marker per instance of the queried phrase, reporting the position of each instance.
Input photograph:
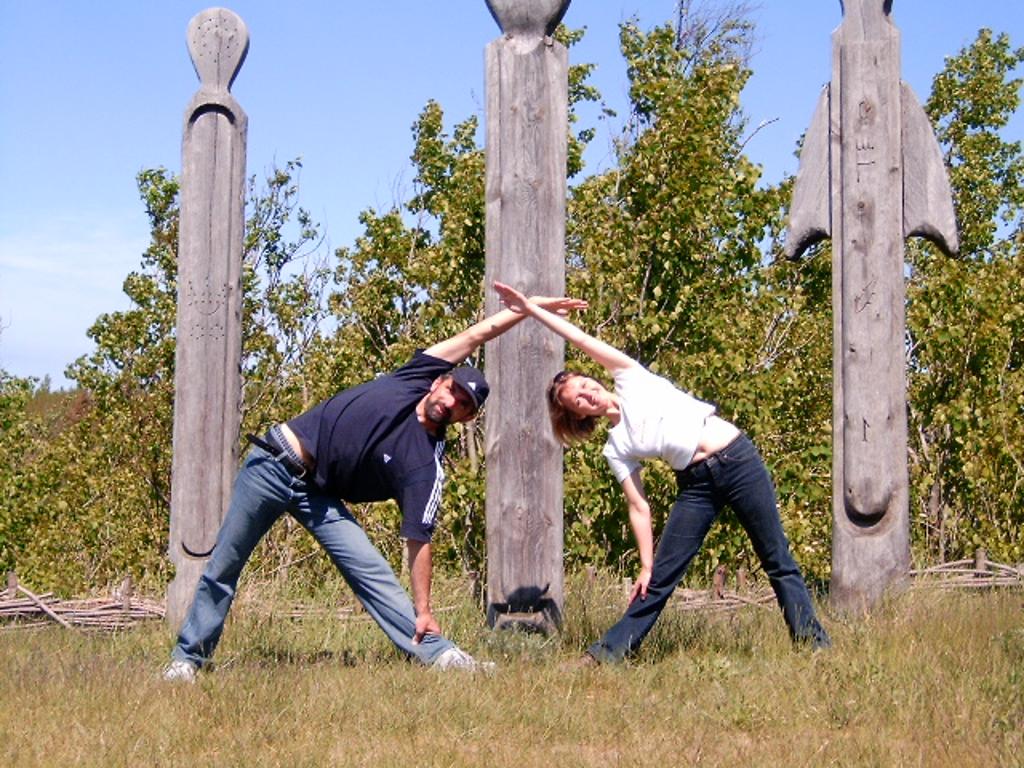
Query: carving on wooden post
(527, 128)
(871, 174)
(207, 378)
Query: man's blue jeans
(736, 476)
(263, 491)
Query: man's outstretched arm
(420, 574)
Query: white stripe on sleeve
(434, 502)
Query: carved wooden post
(871, 174)
(527, 126)
(207, 377)
(980, 562)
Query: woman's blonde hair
(568, 427)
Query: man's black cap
(473, 382)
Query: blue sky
(95, 91)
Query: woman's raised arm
(602, 353)
(463, 344)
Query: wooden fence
(21, 608)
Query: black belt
(277, 446)
(699, 470)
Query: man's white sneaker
(180, 671)
(456, 658)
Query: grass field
(929, 679)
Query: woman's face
(584, 396)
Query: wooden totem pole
(207, 380)
(871, 174)
(527, 129)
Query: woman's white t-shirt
(658, 421)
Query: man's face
(448, 403)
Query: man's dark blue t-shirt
(369, 445)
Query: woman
(715, 465)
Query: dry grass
(931, 679)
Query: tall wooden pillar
(871, 174)
(207, 379)
(527, 128)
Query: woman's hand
(600, 352)
(517, 301)
(511, 298)
(559, 305)
(640, 585)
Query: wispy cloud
(96, 252)
(56, 278)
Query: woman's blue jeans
(736, 476)
(263, 491)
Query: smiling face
(446, 403)
(583, 396)
(575, 402)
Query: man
(383, 439)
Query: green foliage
(580, 92)
(966, 322)
(17, 439)
(89, 502)
(972, 99)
